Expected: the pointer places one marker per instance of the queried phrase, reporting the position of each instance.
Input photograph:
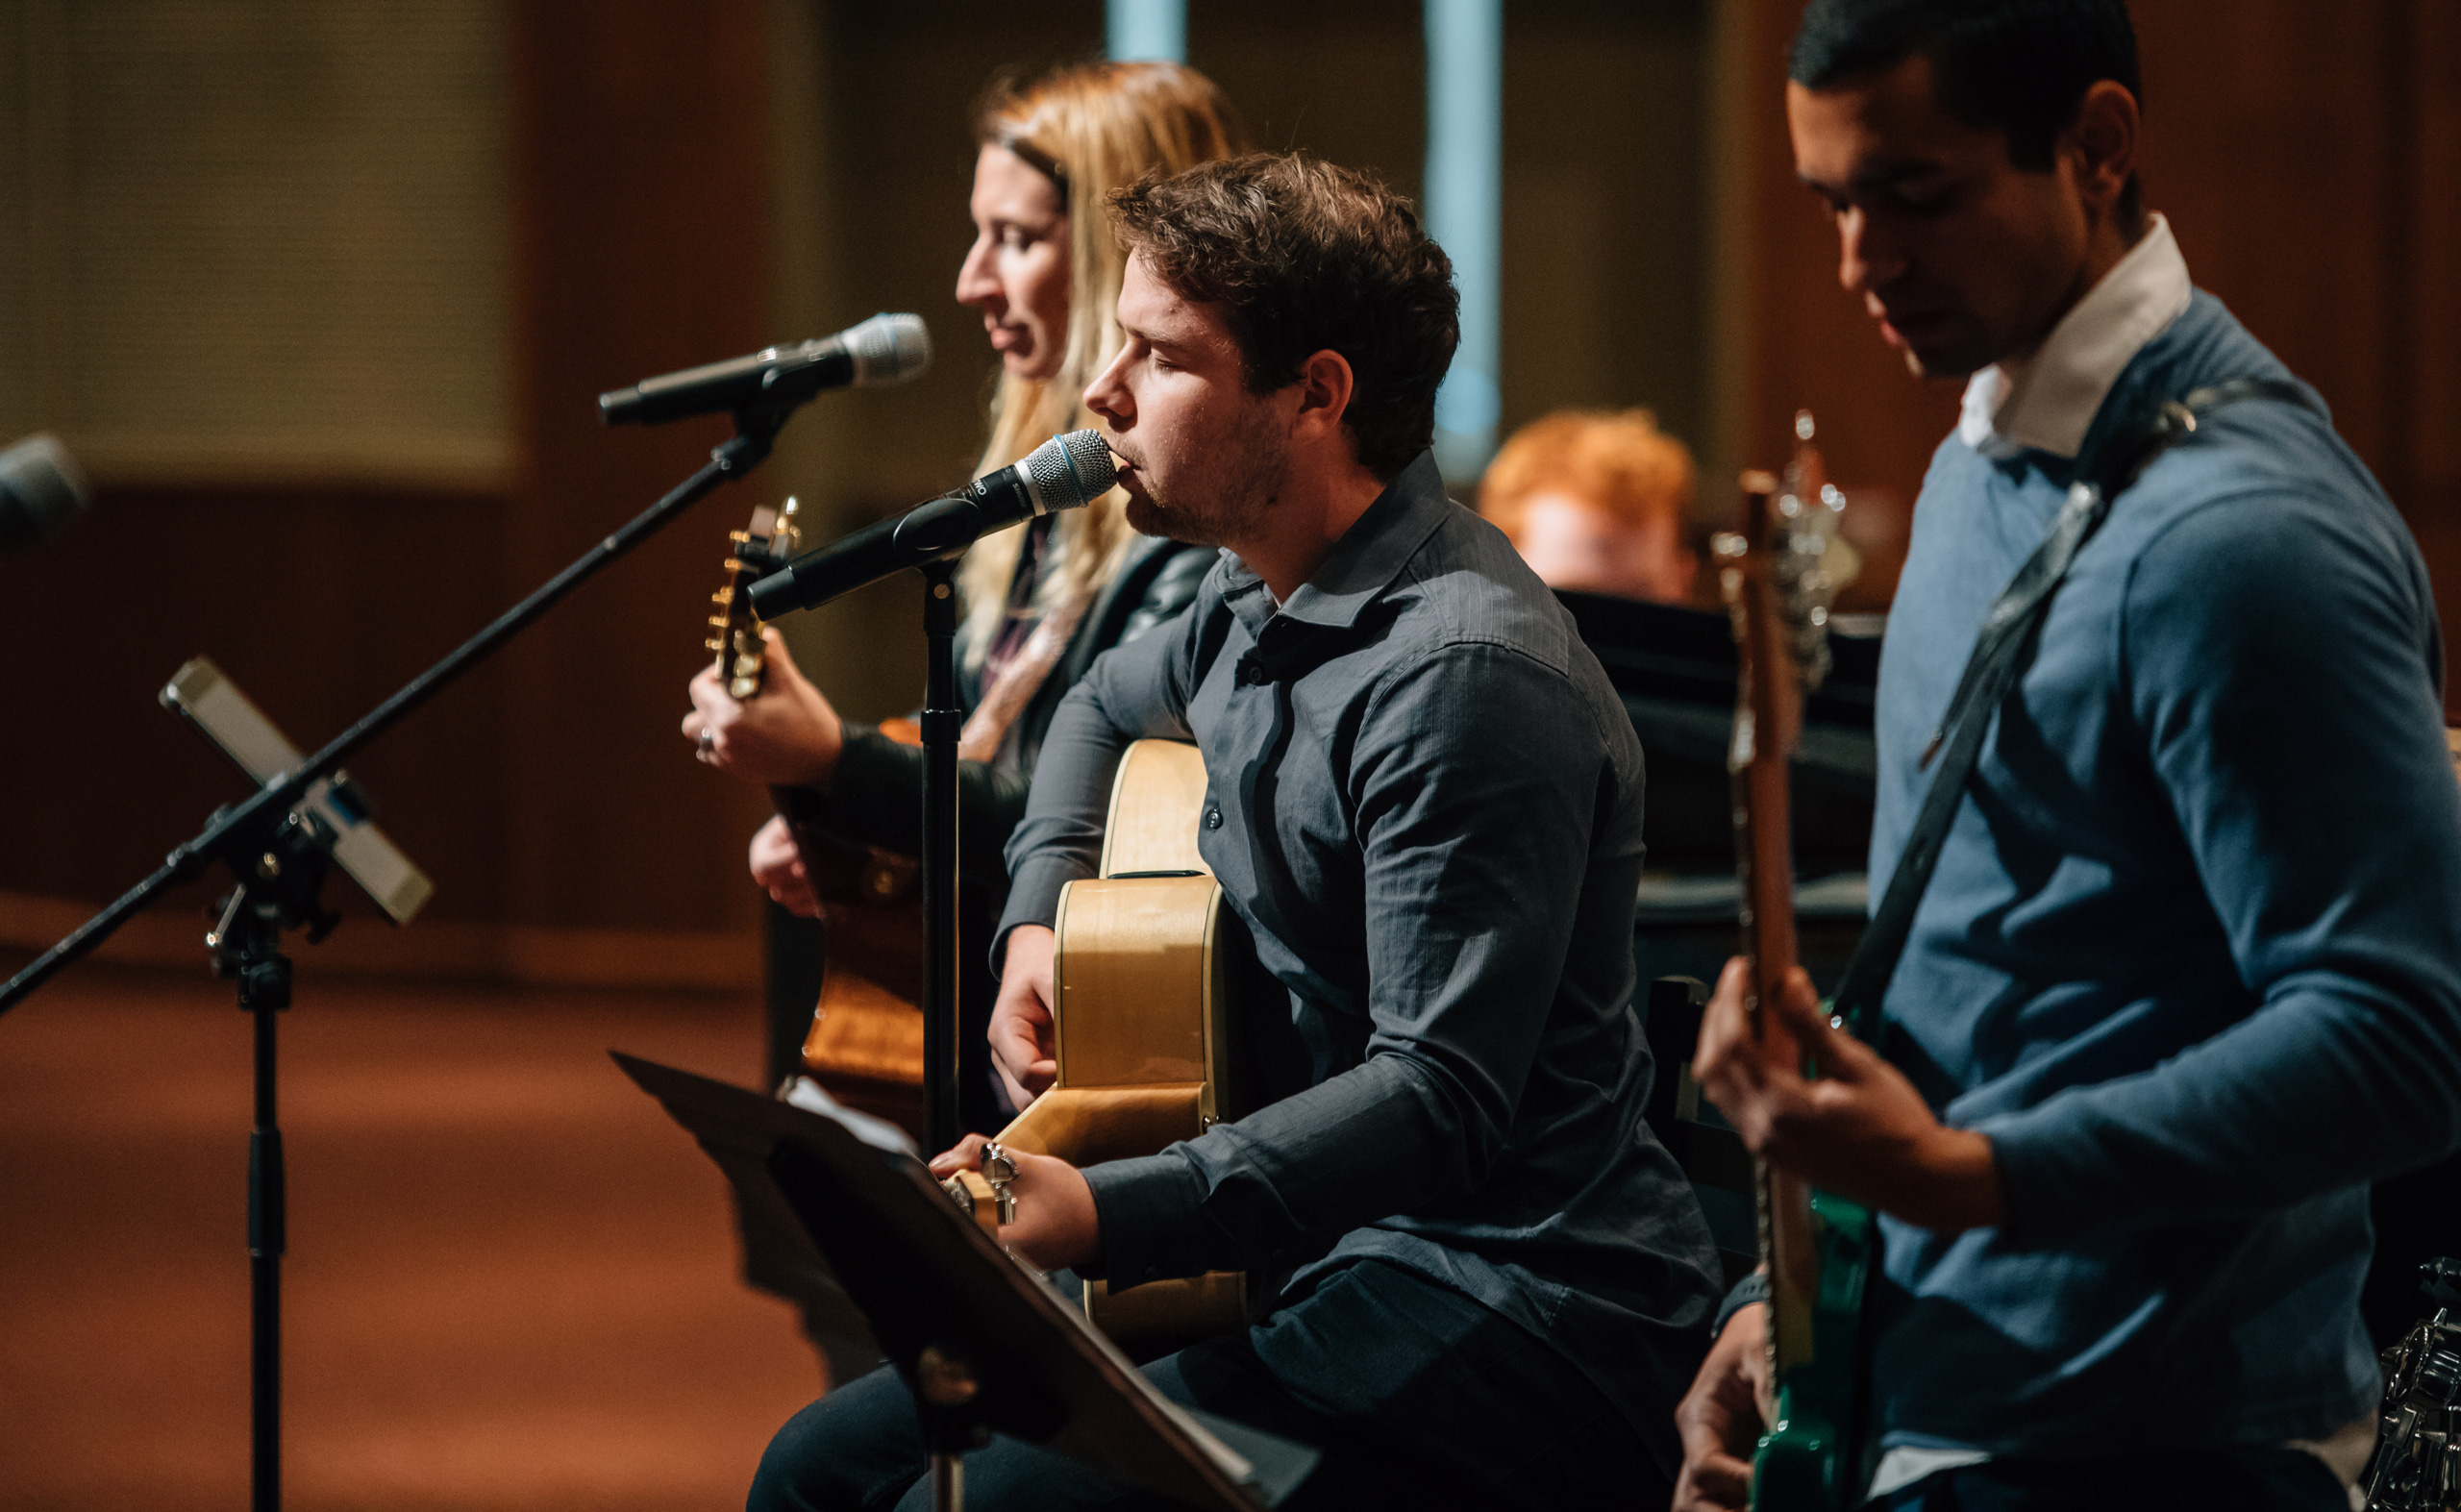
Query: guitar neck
(1764, 862)
(1768, 714)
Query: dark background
(673, 184)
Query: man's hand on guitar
(787, 736)
(778, 866)
(1719, 1419)
(1858, 1128)
(1022, 1049)
(1056, 1224)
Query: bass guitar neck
(1815, 1248)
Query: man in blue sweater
(2184, 981)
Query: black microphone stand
(279, 862)
(943, 721)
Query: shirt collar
(2046, 401)
(1369, 555)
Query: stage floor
(512, 1281)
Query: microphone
(41, 486)
(1066, 472)
(884, 350)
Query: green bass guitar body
(1812, 1457)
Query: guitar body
(1149, 960)
(1810, 1460)
(1817, 1248)
(865, 1042)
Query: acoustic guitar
(1816, 1247)
(1150, 960)
(865, 1043)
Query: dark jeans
(2242, 1481)
(1416, 1395)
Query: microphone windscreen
(41, 486)
(1070, 471)
(888, 349)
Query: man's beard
(1223, 495)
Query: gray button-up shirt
(1425, 801)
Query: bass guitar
(1816, 1247)
(1149, 961)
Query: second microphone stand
(942, 720)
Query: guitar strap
(2001, 651)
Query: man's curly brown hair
(1303, 256)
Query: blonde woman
(1042, 600)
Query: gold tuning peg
(787, 511)
(734, 564)
(739, 538)
(719, 620)
(725, 595)
(744, 686)
(715, 645)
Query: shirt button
(1214, 818)
(1252, 671)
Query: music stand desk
(960, 1318)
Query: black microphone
(884, 350)
(1066, 472)
(41, 486)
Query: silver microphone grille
(41, 486)
(1070, 471)
(888, 349)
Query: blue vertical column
(1465, 214)
(1145, 30)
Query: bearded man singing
(1424, 799)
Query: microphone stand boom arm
(234, 834)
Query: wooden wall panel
(2427, 376)
(569, 832)
(2430, 317)
(642, 245)
(2268, 144)
(318, 602)
(1603, 183)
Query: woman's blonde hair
(1094, 128)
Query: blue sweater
(2192, 957)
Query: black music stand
(984, 1346)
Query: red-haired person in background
(1595, 501)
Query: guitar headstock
(1778, 589)
(760, 549)
(1779, 551)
